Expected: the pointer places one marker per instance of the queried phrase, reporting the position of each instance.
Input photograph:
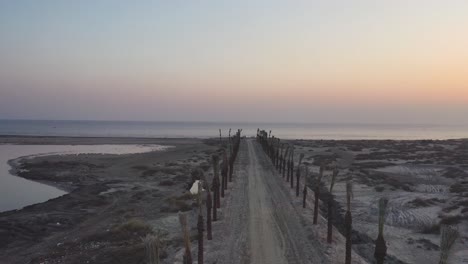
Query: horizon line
(236, 122)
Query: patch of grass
(134, 225)
(176, 204)
(431, 229)
(452, 220)
(185, 196)
(205, 166)
(419, 202)
(453, 173)
(149, 172)
(379, 188)
(458, 188)
(423, 243)
(132, 229)
(140, 167)
(450, 208)
(166, 183)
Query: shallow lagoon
(17, 192)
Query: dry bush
(135, 226)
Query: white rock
(194, 189)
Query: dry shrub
(134, 226)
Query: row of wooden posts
(282, 157)
(214, 193)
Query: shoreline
(104, 192)
(123, 140)
(66, 140)
(14, 171)
(94, 140)
(15, 164)
(109, 191)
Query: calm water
(206, 129)
(16, 192)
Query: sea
(16, 192)
(143, 129)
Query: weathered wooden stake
(215, 187)
(298, 173)
(186, 236)
(317, 194)
(304, 192)
(200, 227)
(348, 221)
(380, 245)
(209, 206)
(330, 207)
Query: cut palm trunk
(226, 170)
(286, 155)
(231, 168)
(152, 248)
(224, 173)
(215, 187)
(348, 221)
(186, 237)
(304, 192)
(277, 154)
(448, 236)
(291, 177)
(317, 194)
(200, 227)
(231, 157)
(209, 205)
(380, 246)
(330, 207)
(290, 160)
(298, 173)
(278, 167)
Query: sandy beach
(424, 180)
(114, 200)
(106, 192)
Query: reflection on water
(16, 192)
(210, 129)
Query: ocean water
(17, 192)
(211, 129)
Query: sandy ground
(265, 228)
(114, 200)
(264, 222)
(425, 182)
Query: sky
(366, 61)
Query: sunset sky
(332, 61)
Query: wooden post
(209, 205)
(186, 236)
(304, 192)
(200, 224)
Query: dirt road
(260, 223)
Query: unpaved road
(260, 223)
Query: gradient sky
(332, 61)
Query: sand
(117, 199)
(106, 192)
(425, 181)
